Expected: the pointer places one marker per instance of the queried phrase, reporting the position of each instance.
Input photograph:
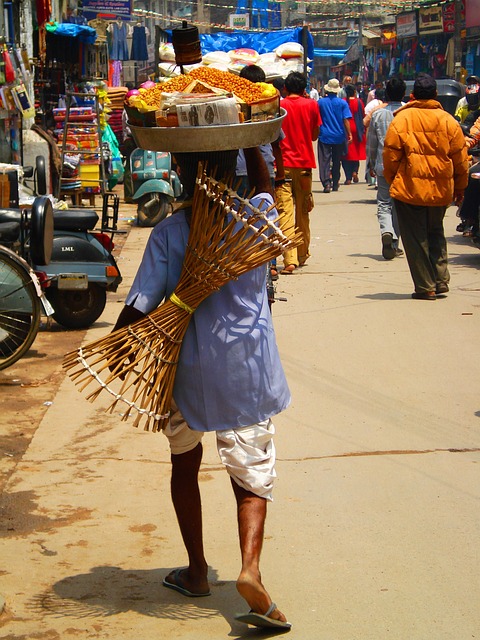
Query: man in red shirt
(301, 127)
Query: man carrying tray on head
(229, 380)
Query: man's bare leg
(252, 511)
(188, 507)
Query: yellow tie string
(176, 300)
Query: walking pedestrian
(425, 163)
(379, 123)
(334, 135)
(231, 335)
(357, 147)
(301, 128)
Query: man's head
(379, 84)
(332, 86)
(279, 83)
(472, 92)
(222, 164)
(254, 73)
(395, 90)
(349, 90)
(347, 80)
(380, 94)
(424, 87)
(295, 83)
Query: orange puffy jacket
(424, 155)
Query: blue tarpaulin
(262, 42)
(82, 32)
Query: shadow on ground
(108, 591)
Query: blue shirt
(333, 111)
(229, 373)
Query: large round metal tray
(214, 138)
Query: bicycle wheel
(20, 308)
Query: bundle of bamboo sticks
(136, 364)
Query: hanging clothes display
(118, 45)
(100, 27)
(115, 68)
(139, 43)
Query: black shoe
(326, 189)
(388, 250)
(461, 227)
(424, 295)
(335, 187)
(442, 287)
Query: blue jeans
(386, 214)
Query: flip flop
(286, 271)
(259, 620)
(176, 587)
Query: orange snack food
(242, 88)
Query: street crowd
(416, 157)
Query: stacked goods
(79, 171)
(137, 364)
(276, 64)
(116, 97)
(204, 96)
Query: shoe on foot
(288, 269)
(424, 295)
(398, 253)
(388, 250)
(347, 182)
(335, 187)
(355, 177)
(327, 189)
(442, 287)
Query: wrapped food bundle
(203, 97)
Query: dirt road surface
(373, 531)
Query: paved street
(373, 533)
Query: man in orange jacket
(425, 163)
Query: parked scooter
(81, 268)
(155, 185)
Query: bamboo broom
(136, 364)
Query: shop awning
(329, 53)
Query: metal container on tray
(214, 138)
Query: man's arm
(392, 153)
(372, 145)
(459, 156)
(348, 131)
(257, 171)
(128, 315)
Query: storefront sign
(239, 20)
(389, 36)
(449, 16)
(430, 20)
(407, 24)
(472, 14)
(113, 7)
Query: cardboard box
(204, 114)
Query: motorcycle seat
(75, 219)
(10, 215)
(9, 231)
